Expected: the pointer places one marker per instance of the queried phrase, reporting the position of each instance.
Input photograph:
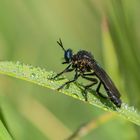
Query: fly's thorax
(82, 65)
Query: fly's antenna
(61, 44)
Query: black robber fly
(85, 66)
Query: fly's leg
(99, 93)
(75, 78)
(67, 69)
(89, 74)
(94, 80)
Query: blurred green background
(29, 30)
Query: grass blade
(42, 77)
(4, 135)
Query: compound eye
(68, 55)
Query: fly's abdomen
(115, 100)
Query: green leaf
(42, 77)
(4, 135)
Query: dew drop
(33, 75)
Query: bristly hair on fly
(85, 66)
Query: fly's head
(68, 54)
